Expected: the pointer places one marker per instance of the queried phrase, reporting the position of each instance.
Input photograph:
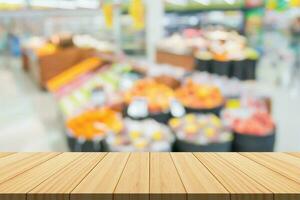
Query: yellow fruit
(157, 135)
(157, 95)
(140, 144)
(209, 132)
(135, 134)
(174, 123)
(191, 129)
(202, 123)
(118, 141)
(216, 121)
(190, 118)
(117, 127)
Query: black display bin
(221, 68)
(203, 65)
(185, 146)
(138, 73)
(252, 143)
(239, 69)
(76, 145)
(244, 69)
(159, 117)
(216, 110)
(250, 69)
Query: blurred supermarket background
(150, 75)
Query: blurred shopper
(295, 42)
(14, 45)
(295, 31)
(3, 40)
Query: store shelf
(149, 176)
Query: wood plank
(282, 163)
(4, 154)
(165, 183)
(240, 186)
(186, 61)
(282, 187)
(17, 187)
(153, 176)
(200, 184)
(296, 154)
(58, 79)
(16, 164)
(134, 181)
(60, 185)
(103, 179)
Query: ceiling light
(230, 1)
(178, 2)
(204, 2)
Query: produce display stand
(70, 81)
(44, 68)
(243, 70)
(74, 71)
(245, 143)
(185, 60)
(90, 176)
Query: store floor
(29, 117)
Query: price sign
(98, 97)
(138, 108)
(177, 109)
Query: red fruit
(257, 124)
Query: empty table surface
(149, 176)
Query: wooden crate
(44, 68)
(186, 61)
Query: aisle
(286, 111)
(28, 117)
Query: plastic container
(253, 143)
(185, 146)
(252, 57)
(203, 61)
(250, 68)
(222, 68)
(203, 65)
(239, 69)
(141, 136)
(216, 110)
(159, 117)
(200, 133)
(81, 145)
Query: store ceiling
(61, 4)
(95, 4)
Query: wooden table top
(149, 176)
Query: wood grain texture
(295, 154)
(199, 183)
(60, 185)
(282, 187)
(235, 181)
(165, 183)
(101, 182)
(149, 176)
(137, 171)
(16, 164)
(17, 187)
(287, 165)
(4, 154)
